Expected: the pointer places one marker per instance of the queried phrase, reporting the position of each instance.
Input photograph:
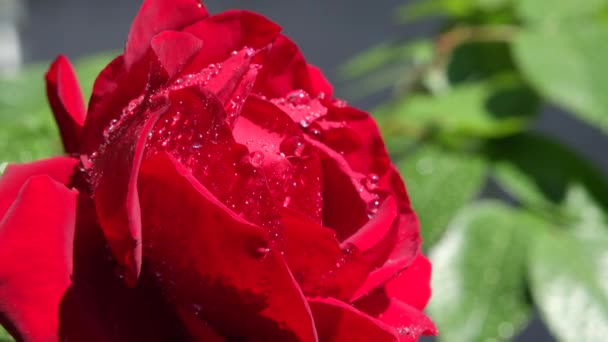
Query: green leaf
(557, 10)
(538, 171)
(483, 109)
(479, 61)
(479, 268)
(589, 219)
(451, 8)
(27, 127)
(5, 336)
(566, 64)
(440, 183)
(568, 281)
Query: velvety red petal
(277, 145)
(284, 70)
(114, 88)
(413, 285)
(247, 290)
(66, 101)
(174, 50)
(320, 84)
(36, 238)
(99, 307)
(156, 16)
(337, 321)
(230, 31)
(115, 186)
(60, 169)
(407, 322)
(319, 264)
(356, 136)
(410, 285)
(347, 204)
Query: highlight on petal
(36, 239)
(277, 146)
(66, 101)
(156, 16)
(412, 285)
(59, 169)
(247, 290)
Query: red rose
(214, 191)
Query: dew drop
(371, 181)
(256, 158)
(316, 133)
(292, 147)
(372, 207)
(298, 97)
(340, 103)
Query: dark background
(327, 31)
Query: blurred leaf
(471, 110)
(479, 285)
(27, 127)
(440, 183)
(567, 65)
(589, 219)
(568, 280)
(384, 66)
(479, 61)
(539, 171)
(557, 10)
(451, 8)
(418, 51)
(5, 336)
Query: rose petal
(338, 321)
(346, 202)
(59, 169)
(114, 88)
(407, 322)
(156, 16)
(65, 98)
(36, 238)
(247, 290)
(98, 306)
(115, 187)
(284, 70)
(230, 31)
(195, 132)
(355, 134)
(234, 82)
(320, 84)
(174, 50)
(319, 264)
(412, 285)
(293, 171)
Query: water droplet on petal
(298, 97)
(292, 147)
(371, 182)
(256, 158)
(372, 207)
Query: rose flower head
(214, 190)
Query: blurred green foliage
(463, 105)
(28, 130)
